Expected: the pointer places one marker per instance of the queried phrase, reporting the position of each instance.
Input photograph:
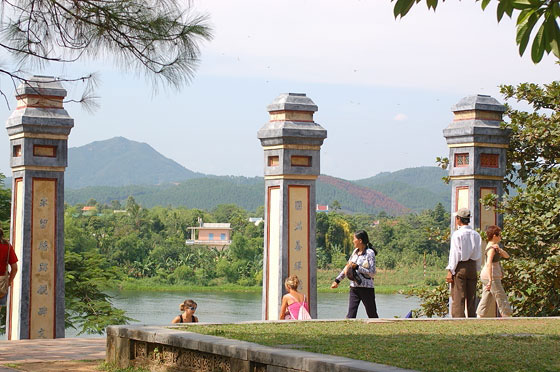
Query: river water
(160, 307)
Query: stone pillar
(477, 157)
(38, 130)
(292, 142)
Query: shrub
(434, 300)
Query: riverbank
(386, 282)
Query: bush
(387, 260)
(201, 276)
(533, 286)
(226, 269)
(182, 274)
(246, 282)
(434, 300)
(323, 258)
(258, 277)
(339, 260)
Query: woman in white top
(491, 276)
(360, 269)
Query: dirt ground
(59, 366)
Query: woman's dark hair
(492, 231)
(363, 236)
(465, 220)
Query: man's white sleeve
(453, 254)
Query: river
(160, 307)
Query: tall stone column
(38, 130)
(477, 157)
(292, 142)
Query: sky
(384, 87)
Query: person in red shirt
(5, 250)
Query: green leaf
(538, 48)
(555, 41)
(432, 4)
(524, 15)
(402, 7)
(500, 10)
(508, 7)
(550, 33)
(484, 4)
(526, 4)
(524, 31)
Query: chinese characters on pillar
(298, 236)
(43, 259)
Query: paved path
(27, 351)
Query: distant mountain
(116, 168)
(202, 193)
(417, 188)
(356, 198)
(120, 162)
(208, 192)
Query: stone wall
(164, 349)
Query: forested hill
(248, 193)
(120, 162)
(117, 168)
(202, 193)
(416, 188)
(355, 197)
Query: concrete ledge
(156, 347)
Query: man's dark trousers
(464, 289)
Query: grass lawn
(475, 345)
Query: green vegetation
(531, 206)
(95, 171)
(348, 196)
(208, 192)
(532, 213)
(200, 193)
(475, 345)
(417, 188)
(109, 367)
(530, 13)
(160, 41)
(115, 162)
(139, 248)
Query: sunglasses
(192, 308)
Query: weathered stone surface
(38, 131)
(292, 102)
(185, 351)
(478, 102)
(474, 137)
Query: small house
(217, 235)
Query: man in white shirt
(464, 262)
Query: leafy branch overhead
(539, 15)
(155, 37)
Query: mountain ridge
(103, 163)
(116, 168)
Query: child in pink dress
(294, 304)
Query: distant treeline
(393, 196)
